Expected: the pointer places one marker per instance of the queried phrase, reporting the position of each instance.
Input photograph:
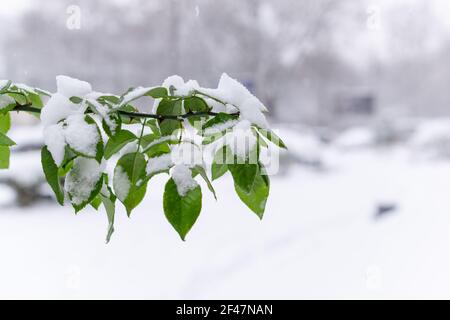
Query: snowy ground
(319, 239)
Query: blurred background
(360, 207)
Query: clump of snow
(215, 105)
(81, 136)
(58, 108)
(182, 176)
(232, 91)
(432, 139)
(5, 101)
(3, 83)
(182, 88)
(105, 191)
(158, 164)
(241, 140)
(188, 154)
(121, 183)
(94, 95)
(188, 88)
(25, 87)
(130, 147)
(81, 180)
(135, 94)
(357, 137)
(71, 87)
(175, 81)
(250, 111)
(55, 141)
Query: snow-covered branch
(85, 130)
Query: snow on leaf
(6, 101)
(81, 136)
(55, 142)
(122, 183)
(159, 164)
(83, 181)
(241, 140)
(182, 176)
(58, 108)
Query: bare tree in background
(278, 49)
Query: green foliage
(244, 175)
(182, 211)
(5, 141)
(256, 197)
(219, 119)
(85, 180)
(117, 142)
(219, 164)
(51, 174)
(4, 157)
(5, 125)
(130, 169)
(272, 137)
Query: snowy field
(320, 238)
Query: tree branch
(30, 108)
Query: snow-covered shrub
(85, 130)
(431, 139)
(356, 137)
(305, 149)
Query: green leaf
(195, 104)
(272, 137)
(219, 119)
(219, 164)
(117, 142)
(100, 146)
(244, 175)
(81, 184)
(113, 125)
(169, 108)
(256, 198)
(5, 122)
(153, 124)
(201, 171)
(130, 182)
(36, 100)
(212, 138)
(96, 202)
(168, 127)
(182, 212)
(157, 150)
(158, 92)
(6, 86)
(5, 140)
(110, 208)
(51, 174)
(4, 157)
(76, 100)
(20, 98)
(112, 99)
